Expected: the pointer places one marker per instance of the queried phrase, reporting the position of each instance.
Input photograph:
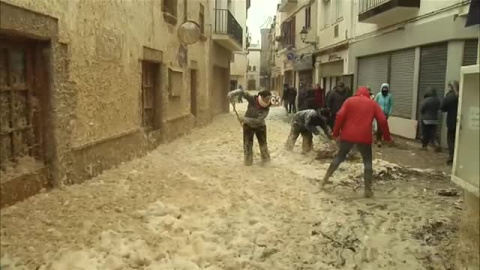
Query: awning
(331, 69)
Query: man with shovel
(306, 123)
(253, 123)
(354, 126)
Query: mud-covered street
(191, 204)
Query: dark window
(288, 33)
(201, 18)
(149, 93)
(335, 31)
(308, 17)
(169, 7)
(19, 106)
(249, 68)
(254, 68)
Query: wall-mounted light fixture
(303, 36)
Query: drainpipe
(185, 10)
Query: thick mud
(192, 205)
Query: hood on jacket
(385, 85)
(362, 91)
(454, 85)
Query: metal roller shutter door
(401, 82)
(470, 51)
(373, 71)
(433, 68)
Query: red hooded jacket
(354, 120)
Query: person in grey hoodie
(253, 123)
(306, 122)
(429, 116)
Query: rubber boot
(327, 176)
(368, 183)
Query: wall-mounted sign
(290, 56)
(474, 118)
(304, 62)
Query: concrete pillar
(454, 63)
(416, 76)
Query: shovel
(236, 113)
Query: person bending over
(306, 123)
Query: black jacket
(335, 100)
(450, 106)
(430, 107)
(303, 100)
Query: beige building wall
(95, 51)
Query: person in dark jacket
(335, 100)
(285, 96)
(319, 97)
(309, 103)
(302, 102)
(292, 96)
(254, 123)
(306, 123)
(354, 126)
(450, 106)
(429, 110)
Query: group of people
(353, 126)
(429, 112)
(351, 120)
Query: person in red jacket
(319, 97)
(354, 126)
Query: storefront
(303, 66)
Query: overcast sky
(258, 14)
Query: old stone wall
(96, 52)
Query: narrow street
(191, 204)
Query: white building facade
(238, 65)
(253, 67)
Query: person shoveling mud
(253, 122)
(306, 123)
(354, 126)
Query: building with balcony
(253, 67)
(228, 39)
(335, 23)
(412, 45)
(265, 68)
(238, 65)
(93, 89)
(296, 40)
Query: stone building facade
(87, 85)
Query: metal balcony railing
(225, 23)
(365, 5)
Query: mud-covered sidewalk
(192, 204)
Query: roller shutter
(373, 71)
(433, 68)
(401, 82)
(470, 51)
